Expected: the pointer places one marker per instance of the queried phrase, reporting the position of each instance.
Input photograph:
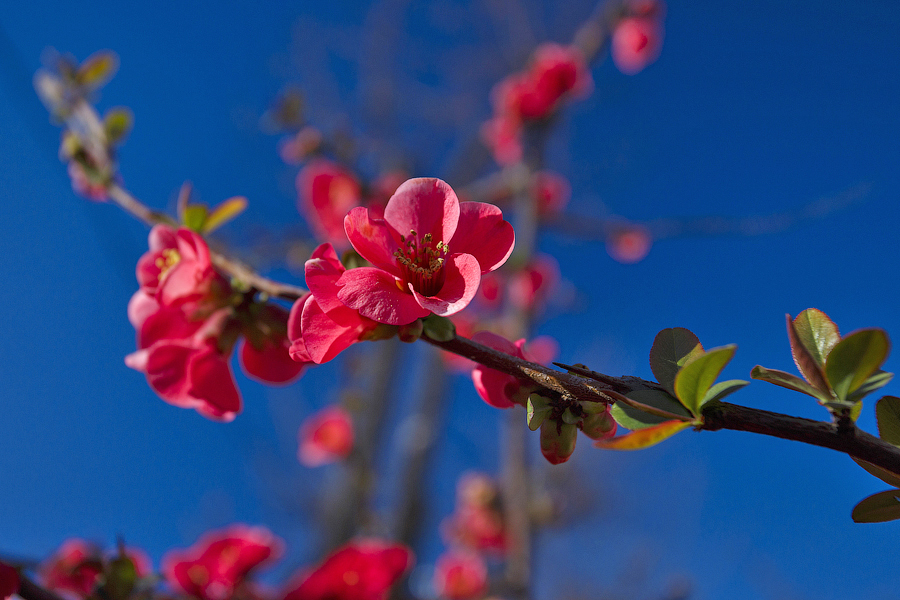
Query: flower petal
(322, 270)
(325, 335)
(424, 205)
(463, 274)
(372, 238)
(374, 293)
(484, 234)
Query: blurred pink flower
(326, 192)
(460, 576)
(325, 437)
(499, 389)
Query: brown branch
(843, 438)
(28, 590)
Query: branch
(843, 438)
(28, 590)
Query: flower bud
(557, 441)
(599, 426)
(411, 332)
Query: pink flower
(73, 568)
(265, 354)
(428, 253)
(477, 522)
(326, 191)
(320, 327)
(325, 437)
(9, 581)
(503, 135)
(499, 389)
(184, 365)
(220, 561)
(361, 570)
(636, 42)
(629, 243)
(84, 185)
(552, 191)
(460, 576)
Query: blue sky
(752, 109)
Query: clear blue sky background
(753, 109)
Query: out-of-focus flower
(552, 192)
(220, 561)
(84, 185)
(73, 568)
(320, 327)
(297, 148)
(499, 389)
(9, 581)
(477, 521)
(460, 576)
(629, 243)
(502, 134)
(361, 570)
(428, 253)
(637, 38)
(265, 351)
(326, 192)
(325, 437)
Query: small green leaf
(887, 411)
(194, 217)
(537, 408)
(882, 474)
(806, 362)
(97, 69)
(789, 381)
(117, 123)
(224, 212)
(120, 578)
(854, 359)
(671, 348)
(643, 438)
(878, 508)
(873, 383)
(440, 329)
(634, 418)
(698, 374)
(722, 389)
(817, 333)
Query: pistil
(422, 262)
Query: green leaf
(883, 474)
(878, 508)
(643, 438)
(789, 381)
(873, 383)
(671, 349)
(440, 329)
(224, 212)
(854, 359)
(117, 123)
(194, 216)
(805, 360)
(537, 408)
(635, 419)
(97, 69)
(722, 389)
(120, 578)
(887, 411)
(817, 333)
(698, 374)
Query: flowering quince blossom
(637, 39)
(9, 581)
(220, 561)
(320, 327)
(428, 253)
(477, 521)
(629, 244)
(361, 570)
(325, 437)
(460, 576)
(265, 352)
(73, 568)
(499, 389)
(326, 191)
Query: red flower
(219, 562)
(499, 389)
(265, 354)
(552, 191)
(320, 327)
(73, 568)
(325, 437)
(361, 570)
(460, 576)
(428, 253)
(629, 243)
(326, 192)
(9, 581)
(637, 40)
(477, 522)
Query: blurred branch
(28, 590)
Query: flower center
(169, 257)
(422, 262)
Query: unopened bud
(599, 426)
(411, 332)
(557, 441)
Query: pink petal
(325, 335)
(484, 234)
(372, 238)
(323, 269)
(491, 386)
(374, 293)
(212, 383)
(497, 342)
(141, 306)
(463, 275)
(162, 236)
(424, 205)
(271, 364)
